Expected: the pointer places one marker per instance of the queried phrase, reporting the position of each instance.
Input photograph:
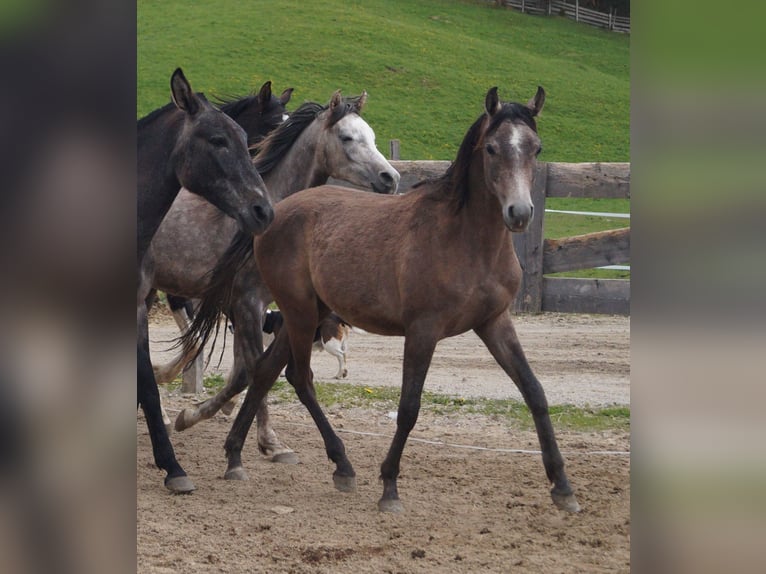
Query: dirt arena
(471, 502)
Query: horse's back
(337, 243)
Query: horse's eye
(346, 139)
(491, 149)
(218, 141)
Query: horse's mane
(271, 150)
(453, 185)
(151, 117)
(231, 105)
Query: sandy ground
(579, 359)
(472, 501)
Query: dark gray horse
(188, 143)
(315, 143)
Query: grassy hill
(426, 65)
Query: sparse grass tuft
(385, 399)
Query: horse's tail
(217, 297)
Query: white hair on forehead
(355, 126)
(516, 138)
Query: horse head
(509, 147)
(211, 160)
(350, 152)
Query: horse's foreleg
(265, 373)
(148, 397)
(500, 338)
(418, 352)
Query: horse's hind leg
(169, 371)
(418, 352)
(268, 441)
(191, 416)
(301, 328)
(265, 373)
(247, 348)
(500, 337)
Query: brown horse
(430, 264)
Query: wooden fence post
(529, 249)
(393, 147)
(192, 376)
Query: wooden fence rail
(573, 11)
(540, 256)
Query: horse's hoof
(236, 473)
(181, 421)
(393, 505)
(566, 502)
(286, 457)
(180, 484)
(344, 483)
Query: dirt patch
(466, 508)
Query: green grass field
(426, 65)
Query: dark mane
(152, 116)
(453, 185)
(271, 150)
(232, 106)
(159, 112)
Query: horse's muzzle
(388, 182)
(518, 216)
(257, 219)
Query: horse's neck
(157, 189)
(482, 214)
(298, 169)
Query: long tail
(217, 297)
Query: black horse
(189, 143)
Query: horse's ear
(285, 97)
(536, 103)
(336, 100)
(492, 102)
(360, 102)
(264, 95)
(181, 91)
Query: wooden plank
(415, 171)
(569, 295)
(596, 180)
(529, 249)
(586, 251)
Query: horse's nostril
(386, 177)
(262, 213)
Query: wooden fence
(540, 257)
(574, 11)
